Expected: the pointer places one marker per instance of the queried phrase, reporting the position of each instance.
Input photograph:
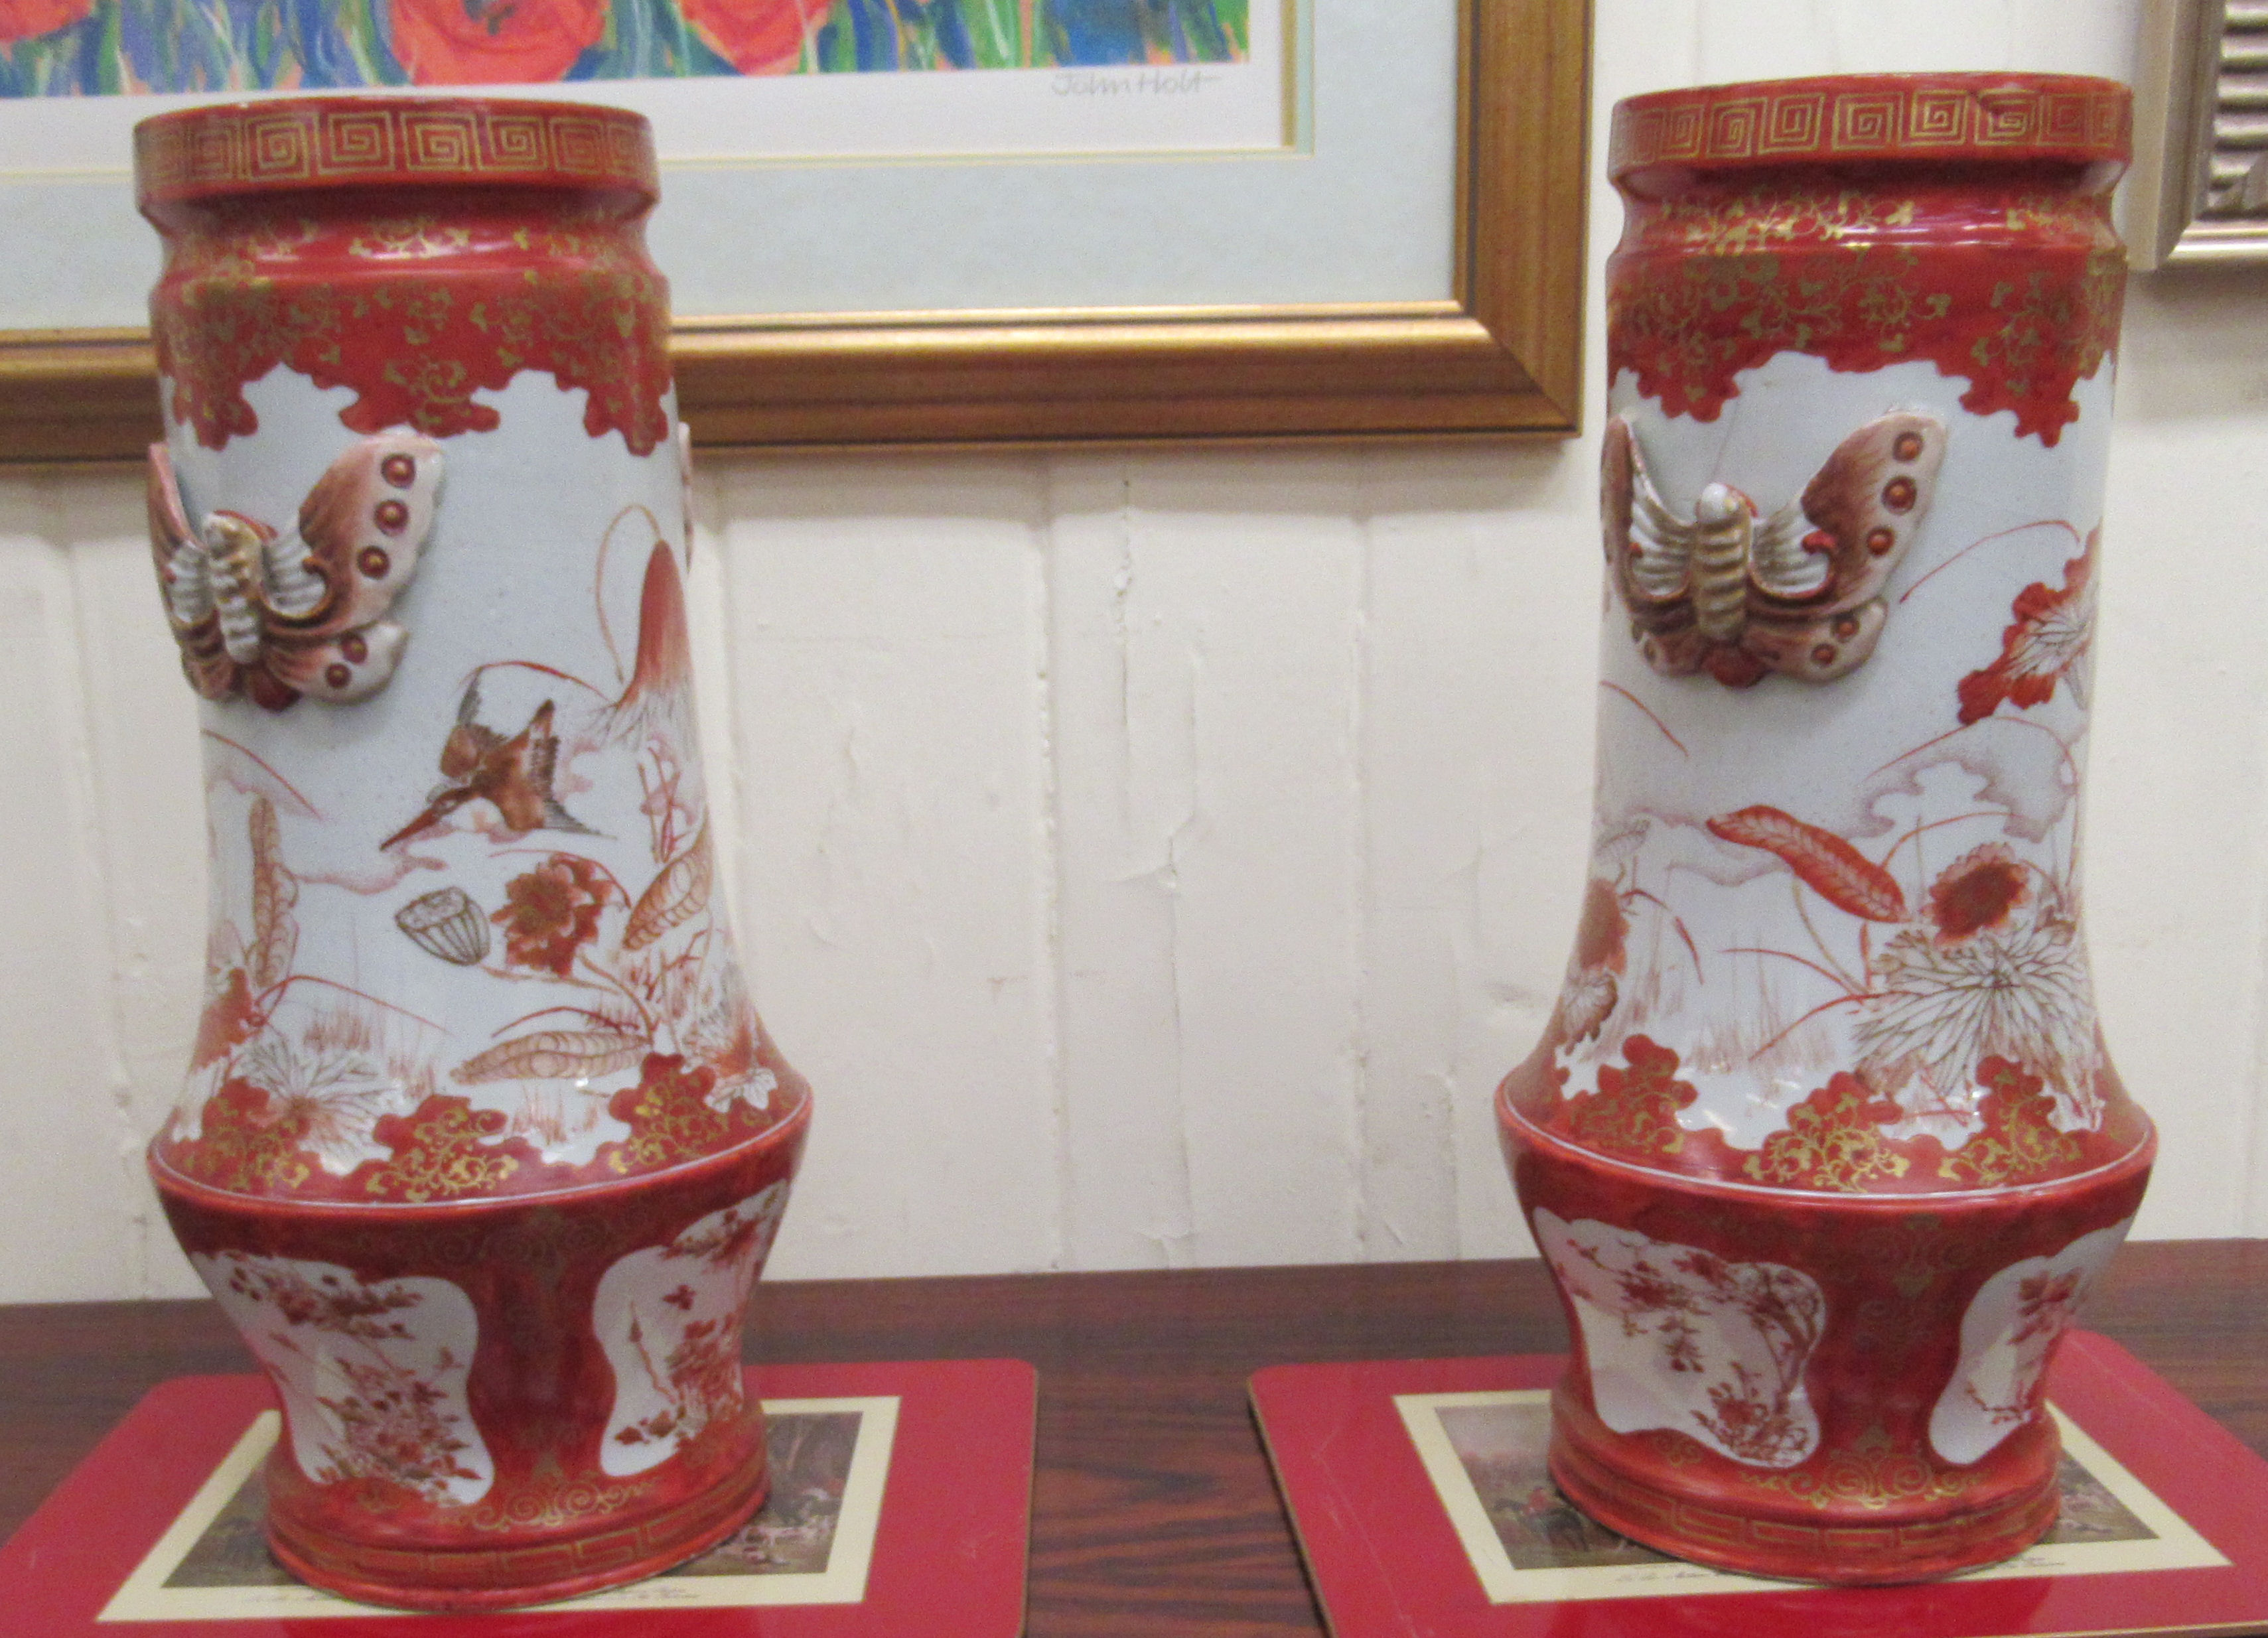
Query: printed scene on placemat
(793, 1534)
(109, 48)
(1502, 1450)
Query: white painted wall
(1155, 859)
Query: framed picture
(2198, 189)
(1332, 217)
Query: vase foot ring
(1837, 1552)
(492, 1578)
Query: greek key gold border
(1811, 120)
(281, 145)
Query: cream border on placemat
(2175, 1545)
(146, 1598)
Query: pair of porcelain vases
(482, 1146)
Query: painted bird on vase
(515, 774)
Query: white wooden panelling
(147, 828)
(883, 647)
(1156, 859)
(65, 1169)
(1205, 722)
(2177, 857)
(1480, 646)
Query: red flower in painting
(491, 42)
(551, 913)
(1977, 891)
(2047, 643)
(28, 19)
(756, 36)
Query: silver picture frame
(2198, 189)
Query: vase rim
(293, 145)
(1871, 119)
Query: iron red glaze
(1820, 1143)
(1864, 219)
(539, 1387)
(482, 1145)
(1872, 1497)
(418, 251)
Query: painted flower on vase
(1985, 964)
(477, 42)
(1940, 1001)
(1977, 892)
(757, 36)
(1677, 1337)
(668, 1318)
(326, 1094)
(551, 912)
(371, 1373)
(228, 1021)
(1601, 937)
(2049, 642)
(2007, 1337)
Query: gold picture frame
(1501, 354)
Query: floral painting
(1679, 1338)
(372, 1374)
(669, 1317)
(1880, 986)
(103, 48)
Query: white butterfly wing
(1662, 556)
(1779, 563)
(185, 580)
(183, 574)
(1649, 547)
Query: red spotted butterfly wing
(1865, 508)
(362, 526)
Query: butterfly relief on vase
(1738, 594)
(277, 613)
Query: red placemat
(1419, 1495)
(901, 1503)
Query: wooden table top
(1152, 1510)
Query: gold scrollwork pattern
(1872, 1471)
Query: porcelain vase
(482, 1146)
(1820, 1143)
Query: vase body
(1820, 1143)
(482, 1145)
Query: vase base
(1850, 1552)
(488, 1578)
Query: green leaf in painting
(1236, 23)
(995, 30)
